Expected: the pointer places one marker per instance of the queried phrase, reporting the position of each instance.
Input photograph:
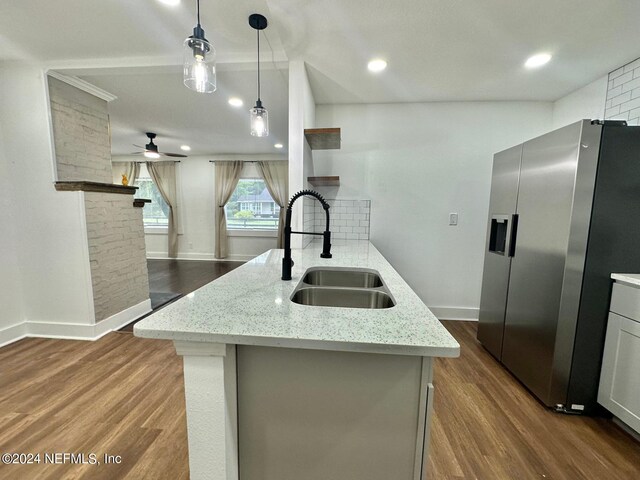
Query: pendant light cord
(198, 8)
(258, 33)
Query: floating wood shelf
(94, 187)
(324, 181)
(140, 202)
(323, 138)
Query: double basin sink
(342, 287)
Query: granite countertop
(250, 306)
(628, 278)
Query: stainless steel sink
(342, 287)
(342, 297)
(342, 277)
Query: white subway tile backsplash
(630, 105)
(634, 113)
(345, 215)
(624, 78)
(635, 83)
(616, 73)
(631, 66)
(612, 112)
(623, 93)
(614, 92)
(621, 116)
(620, 99)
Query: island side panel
(211, 401)
(317, 414)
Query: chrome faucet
(287, 261)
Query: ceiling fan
(151, 149)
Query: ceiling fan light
(199, 65)
(149, 154)
(259, 121)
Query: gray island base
(281, 391)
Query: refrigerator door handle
(513, 233)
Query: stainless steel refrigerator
(564, 214)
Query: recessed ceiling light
(278, 145)
(377, 65)
(537, 60)
(171, 3)
(186, 148)
(236, 102)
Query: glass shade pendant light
(259, 114)
(199, 61)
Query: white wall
(302, 114)
(196, 191)
(48, 225)
(417, 163)
(586, 102)
(11, 313)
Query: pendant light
(199, 61)
(259, 114)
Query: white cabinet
(620, 378)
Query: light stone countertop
(628, 278)
(250, 306)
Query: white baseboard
(200, 256)
(120, 319)
(456, 313)
(12, 334)
(74, 331)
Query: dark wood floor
(185, 276)
(124, 395)
(180, 277)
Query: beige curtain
(276, 176)
(130, 169)
(227, 176)
(163, 175)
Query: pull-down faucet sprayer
(287, 262)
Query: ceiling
(154, 99)
(456, 49)
(436, 51)
(91, 30)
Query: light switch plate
(453, 219)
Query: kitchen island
(280, 390)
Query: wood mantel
(75, 186)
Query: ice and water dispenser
(502, 233)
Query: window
(251, 207)
(156, 213)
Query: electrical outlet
(453, 219)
